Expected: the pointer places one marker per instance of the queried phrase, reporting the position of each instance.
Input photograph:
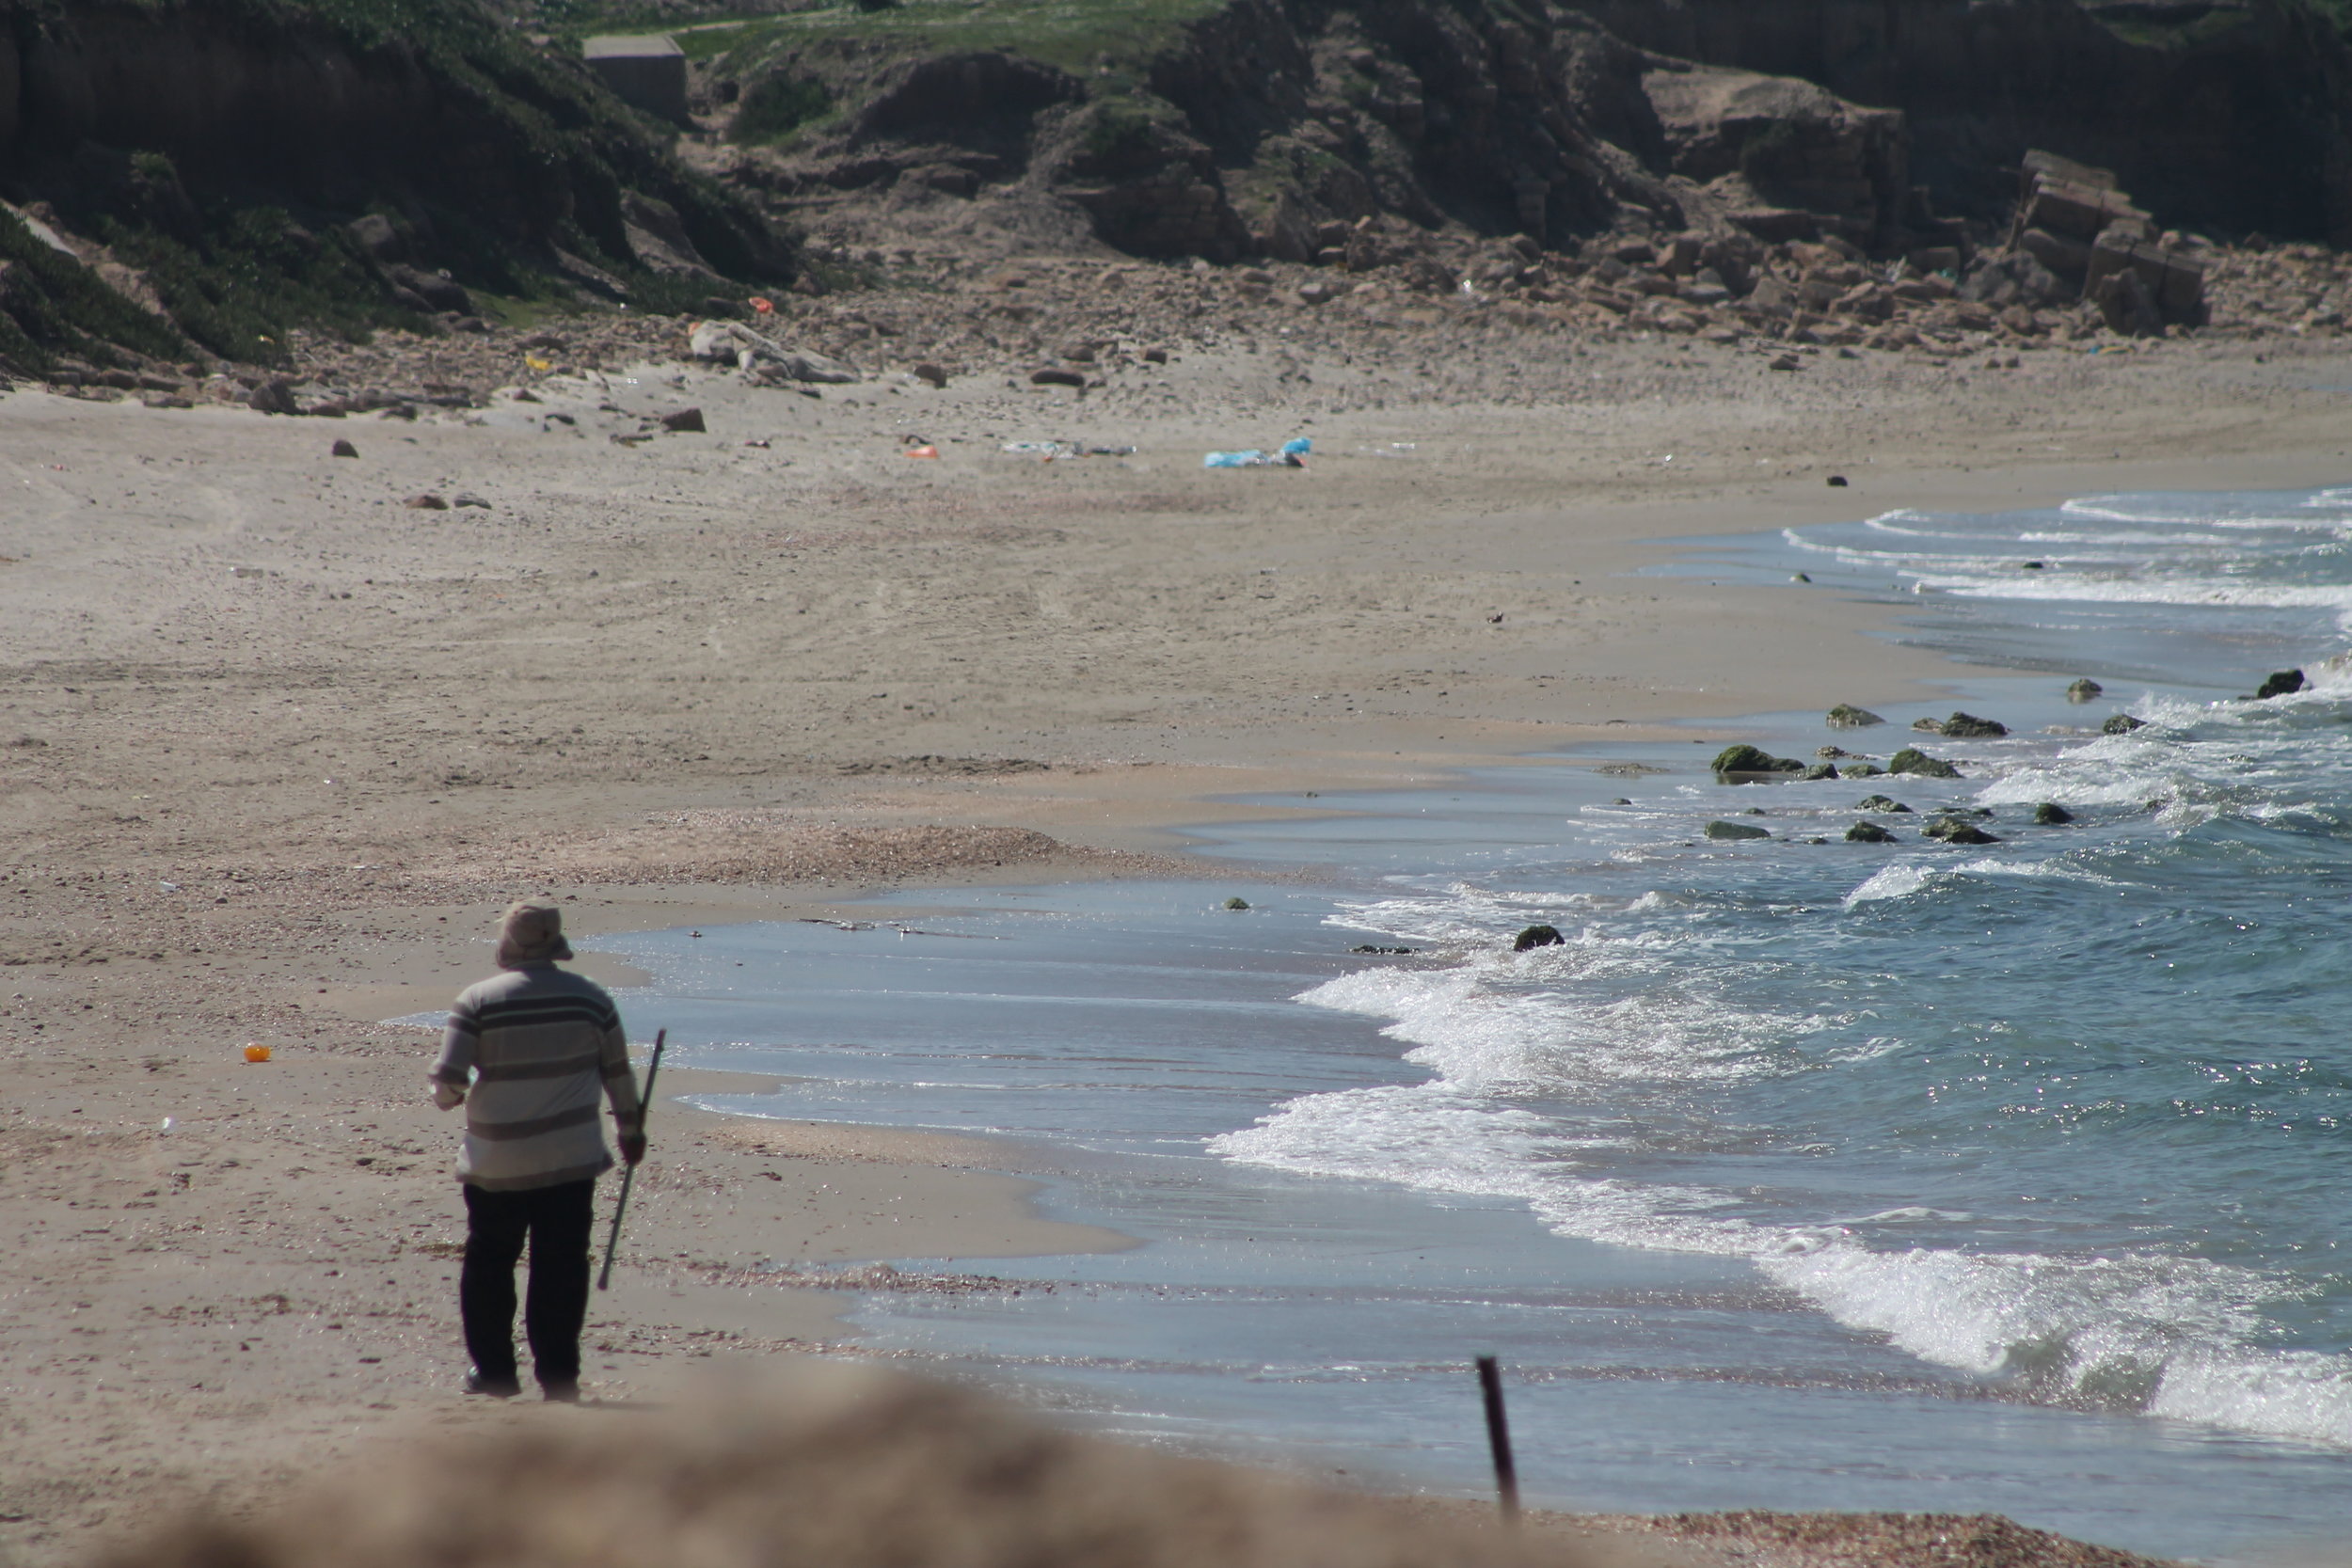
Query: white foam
(1898, 881)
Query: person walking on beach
(535, 1045)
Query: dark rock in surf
(2049, 813)
(2285, 683)
(1744, 759)
(1880, 802)
(1538, 936)
(1910, 760)
(1845, 716)
(1869, 832)
(1968, 726)
(2084, 691)
(1734, 829)
(2121, 724)
(1953, 829)
(1821, 770)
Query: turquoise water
(1802, 1173)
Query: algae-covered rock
(1821, 770)
(1880, 802)
(1955, 830)
(1968, 726)
(1845, 716)
(2084, 691)
(1911, 760)
(1734, 829)
(2121, 724)
(1751, 759)
(1869, 832)
(2049, 813)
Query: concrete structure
(647, 72)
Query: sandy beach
(275, 747)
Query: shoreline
(128, 1003)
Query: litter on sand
(1292, 455)
(924, 451)
(1048, 450)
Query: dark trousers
(556, 1221)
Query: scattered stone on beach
(1957, 829)
(1744, 758)
(2083, 690)
(1911, 760)
(467, 498)
(343, 449)
(1736, 829)
(1237, 902)
(2121, 724)
(1869, 832)
(934, 374)
(1845, 716)
(1880, 802)
(1538, 936)
(425, 501)
(2281, 684)
(1056, 375)
(2049, 813)
(1968, 726)
(687, 421)
(1837, 482)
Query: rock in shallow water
(1880, 802)
(1845, 716)
(2084, 691)
(1734, 829)
(1538, 936)
(2281, 684)
(1968, 726)
(1751, 759)
(2049, 813)
(1910, 760)
(2121, 724)
(1869, 832)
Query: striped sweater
(536, 1044)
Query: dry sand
(274, 749)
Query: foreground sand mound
(838, 1467)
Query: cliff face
(221, 145)
(1266, 126)
(2229, 115)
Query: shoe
(560, 1393)
(492, 1387)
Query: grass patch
(775, 106)
(1078, 35)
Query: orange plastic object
(922, 452)
(761, 304)
(257, 1053)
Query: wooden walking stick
(653, 1070)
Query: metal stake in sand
(645, 1106)
(1498, 1438)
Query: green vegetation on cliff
(496, 158)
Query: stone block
(646, 72)
(2077, 212)
(2067, 258)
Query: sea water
(1802, 1173)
